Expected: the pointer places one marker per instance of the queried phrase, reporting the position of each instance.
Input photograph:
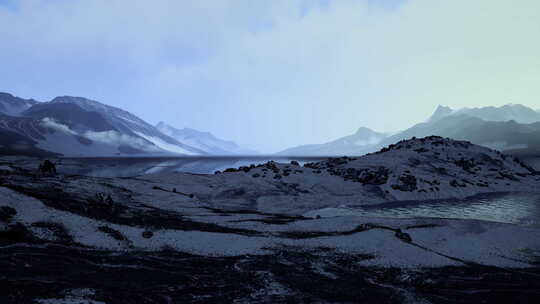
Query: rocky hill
(416, 169)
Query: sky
(275, 74)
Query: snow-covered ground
(404, 172)
(262, 210)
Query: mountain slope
(14, 106)
(440, 112)
(120, 121)
(510, 127)
(516, 112)
(501, 135)
(17, 139)
(204, 141)
(363, 139)
(76, 126)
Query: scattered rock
(58, 229)
(103, 201)
(47, 167)
(16, 233)
(407, 183)
(403, 236)
(377, 176)
(6, 213)
(147, 234)
(115, 234)
(364, 227)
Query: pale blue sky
(274, 74)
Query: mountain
(512, 127)
(501, 135)
(440, 112)
(14, 106)
(516, 112)
(204, 141)
(76, 126)
(363, 139)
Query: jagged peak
(364, 130)
(440, 112)
(161, 124)
(7, 95)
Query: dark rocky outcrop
(407, 183)
(6, 213)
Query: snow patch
(165, 145)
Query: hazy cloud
(275, 73)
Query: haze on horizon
(275, 74)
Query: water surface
(518, 208)
(515, 208)
(126, 167)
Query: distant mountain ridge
(77, 126)
(364, 138)
(517, 112)
(14, 106)
(205, 141)
(511, 127)
(440, 112)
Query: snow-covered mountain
(363, 139)
(204, 141)
(516, 112)
(511, 127)
(14, 106)
(506, 128)
(76, 126)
